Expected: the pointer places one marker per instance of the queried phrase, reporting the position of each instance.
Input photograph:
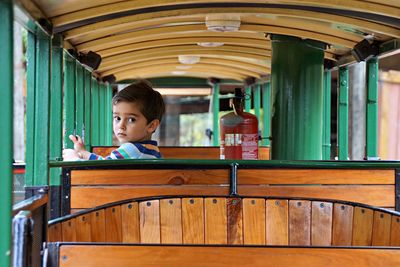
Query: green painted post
(69, 99)
(266, 103)
(95, 113)
(88, 110)
(372, 109)
(247, 99)
(56, 105)
(257, 102)
(42, 110)
(297, 82)
(109, 116)
(79, 100)
(215, 101)
(6, 129)
(326, 129)
(30, 109)
(102, 114)
(343, 114)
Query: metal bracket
(66, 192)
(233, 180)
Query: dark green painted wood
(297, 82)
(102, 113)
(326, 134)
(79, 100)
(56, 107)
(88, 110)
(215, 101)
(257, 103)
(266, 103)
(372, 109)
(247, 99)
(95, 113)
(6, 129)
(42, 110)
(109, 116)
(343, 114)
(69, 99)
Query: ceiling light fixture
(178, 72)
(188, 59)
(223, 22)
(210, 44)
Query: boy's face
(130, 125)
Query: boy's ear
(152, 126)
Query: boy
(137, 112)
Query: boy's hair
(150, 102)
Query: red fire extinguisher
(239, 132)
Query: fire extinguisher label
(250, 146)
(233, 139)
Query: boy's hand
(79, 147)
(70, 155)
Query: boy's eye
(131, 120)
(117, 118)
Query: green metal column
(56, 107)
(95, 113)
(297, 82)
(215, 101)
(326, 134)
(343, 114)
(266, 103)
(88, 110)
(6, 129)
(372, 109)
(69, 99)
(247, 99)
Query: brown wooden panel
(254, 221)
(113, 224)
(315, 176)
(152, 177)
(375, 195)
(186, 152)
(381, 229)
(54, 233)
(82, 197)
(321, 223)
(193, 220)
(68, 230)
(98, 227)
(395, 231)
(342, 225)
(235, 221)
(299, 222)
(130, 222)
(215, 256)
(362, 226)
(171, 221)
(215, 221)
(82, 226)
(149, 214)
(277, 222)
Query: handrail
(31, 203)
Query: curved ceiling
(143, 38)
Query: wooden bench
(233, 221)
(94, 186)
(185, 152)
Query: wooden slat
(299, 223)
(82, 197)
(321, 223)
(254, 221)
(149, 221)
(381, 229)
(130, 222)
(362, 226)
(316, 176)
(146, 177)
(277, 222)
(82, 225)
(210, 256)
(342, 225)
(193, 220)
(375, 195)
(215, 221)
(98, 226)
(395, 231)
(235, 221)
(54, 233)
(68, 230)
(113, 224)
(171, 221)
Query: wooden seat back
(232, 220)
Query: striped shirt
(142, 150)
